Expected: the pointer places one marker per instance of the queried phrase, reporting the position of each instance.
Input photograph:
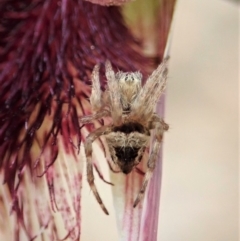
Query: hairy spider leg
(160, 126)
(150, 93)
(96, 99)
(155, 119)
(96, 94)
(91, 118)
(114, 93)
(88, 150)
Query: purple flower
(47, 52)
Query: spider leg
(110, 165)
(151, 92)
(100, 174)
(114, 94)
(158, 124)
(88, 150)
(96, 94)
(91, 118)
(157, 121)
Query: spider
(131, 107)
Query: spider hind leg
(88, 150)
(160, 126)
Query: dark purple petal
(109, 2)
(47, 52)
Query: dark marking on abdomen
(129, 127)
(126, 154)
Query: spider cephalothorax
(131, 107)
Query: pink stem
(149, 224)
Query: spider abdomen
(127, 144)
(126, 155)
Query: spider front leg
(96, 94)
(150, 93)
(160, 126)
(96, 116)
(114, 94)
(96, 99)
(88, 150)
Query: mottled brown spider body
(131, 107)
(127, 144)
